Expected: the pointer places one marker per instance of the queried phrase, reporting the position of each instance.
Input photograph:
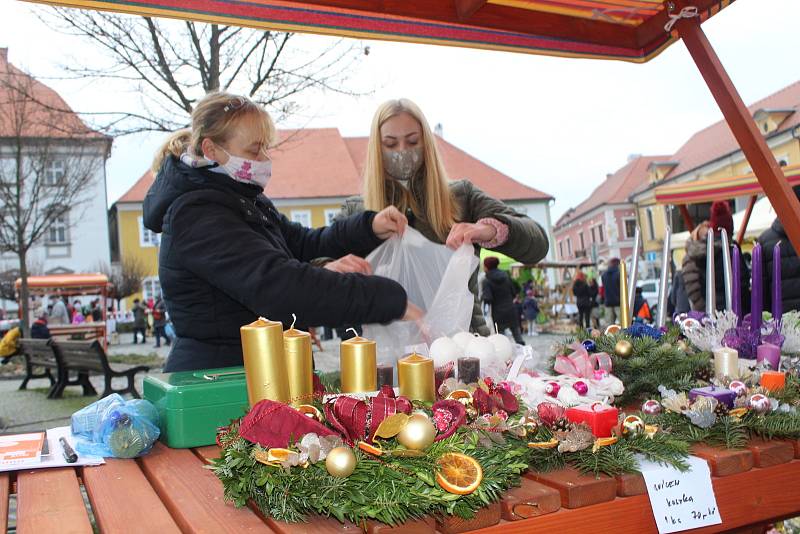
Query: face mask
(402, 164)
(248, 171)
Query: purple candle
(777, 305)
(469, 369)
(723, 396)
(385, 375)
(736, 274)
(756, 295)
(771, 353)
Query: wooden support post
(743, 126)
(746, 219)
(687, 217)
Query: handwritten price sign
(681, 501)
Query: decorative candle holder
(416, 378)
(299, 364)
(357, 360)
(264, 361)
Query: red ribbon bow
(356, 419)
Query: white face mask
(248, 171)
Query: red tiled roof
(615, 189)
(319, 162)
(32, 109)
(717, 140)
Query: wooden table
(169, 491)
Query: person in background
(58, 311)
(96, 312)
(39, 328)
(499, 292)
(582, 299)
(160, 321)
(77, 315)
(641, 308)
(531, 309)
(139, 321)
(594, 290)
(678, 298)
(790, 265)
(611, 291)
(695, 260)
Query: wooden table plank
(578, 490)
(5, 485)
(630, 484)
(122, 481)
(528, 500)
(50, 500)
(208, 453)
(744, 499)
(724, 462)
(767, 453)
(485, 517)
(193, 495)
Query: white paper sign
(681, 501)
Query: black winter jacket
(790, 268)
(694, 276)
(228, 256)
(611, 286)
(498, 290)
(583, 295)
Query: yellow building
(314, 171)
(714, 153)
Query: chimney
(3, 55)
(439, 130)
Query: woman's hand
(470, 233)
(389, 222)
(350, 264)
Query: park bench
(45, 353)
(89, 357)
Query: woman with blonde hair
(403, 168)
(228, 256)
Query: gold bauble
(632, 425)
(623, 348)
(418, 434)
(340, 462)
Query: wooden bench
(38, 353)
(89, 357)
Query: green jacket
(527, 241)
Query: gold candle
(299, 365)
(264, 361)
(358, 363)
(416, 377)
(624, 309)
(726, 363)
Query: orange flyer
(21, 449)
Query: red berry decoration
(552, 389)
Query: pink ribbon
(580, 363)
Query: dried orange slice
(273, 457)
(458, 473)
(370, 449)
(544, 444)
(737, 412)
(604, 442)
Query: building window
(651, 228)
(600, 236)
(583, 244)
(151, 288)
(561, 249)
(630, 228)
(147, 238)
(302, 216)
(58, 232)
(594, 236)
(330, 215)
(54, 172)
(569, 247)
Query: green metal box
(193, 404)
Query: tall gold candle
(264, 361)
(416, 377)
(358, 364)
(299, 365)
(624, 309)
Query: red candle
(600, 418)
(773, 380)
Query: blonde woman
(403, 168)
(228, 256)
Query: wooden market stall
(70, 285)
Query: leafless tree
(126, 278)
(172, 64)
(49, 160)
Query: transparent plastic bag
(436, 280)
(114, 427)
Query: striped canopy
(719, 188)
(629, 30)
(71, 284)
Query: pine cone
(721, 409)
(703, 374)
(561, 425)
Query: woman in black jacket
(228, 256)
(583, 300)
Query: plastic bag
(115, 427)
(436, 280)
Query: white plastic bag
(436, 280)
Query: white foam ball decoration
(444, 351)
(462, 339)
(480, 347)
(503, 348)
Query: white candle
(726, 269)
(726, 363)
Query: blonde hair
(215, 117)
(439, 209)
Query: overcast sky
(559, 125)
